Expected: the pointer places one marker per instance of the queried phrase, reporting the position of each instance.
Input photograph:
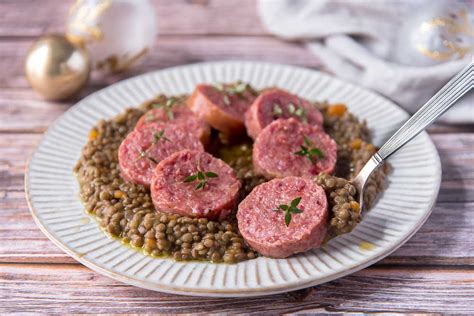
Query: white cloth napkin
(375, 44)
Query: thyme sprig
(298, 112)
(149, 117)
(167, 106)
(309, 150)
(160, 135)
(277, 111)
(226, 99)
(238, 89)
(289, 209)
(202, 177)
(143, 154)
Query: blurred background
(188, 32)
(405, 50)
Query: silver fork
(458, 86)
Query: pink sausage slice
(144, 148)
(222, 106)
(276, 104)
(279, 150)
(177, 189)
(173, 112)
(265, 229)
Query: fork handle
(458, 86)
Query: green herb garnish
(160, 136)
(238, 89)
(156, 138)
(297, 111)
(149, 118)
(167, 106)
(309, 150)
(170, 102)
(300, 112)
(202, 178)
(218, 87)
(226, 99)
(277, 111)
(152, 159)
(291, 108)
(143, 154)
(289, 209)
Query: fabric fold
(363, 42)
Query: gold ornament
(56, 68)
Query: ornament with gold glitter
(117, 33)
(440, 31)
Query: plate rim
(225, 292)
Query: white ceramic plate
(52, 189)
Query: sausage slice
(291, 148)
(174, 111)
(144, 148)
(178, 188)
(261, 219)
(276, 104)
(222, 106)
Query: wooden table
(433, 272)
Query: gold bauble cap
(56, 67)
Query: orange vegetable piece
(93, 134)
(356, 143)
(337, 109)
(118, 194)
(355, 206)
(371, 148)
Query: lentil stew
(125, 210)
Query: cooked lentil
(125, 210)
(353, 151)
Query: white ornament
(436, 32)
(117, 33)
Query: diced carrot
(93, 134)
(356, 143)
(337, 109)
(371, 148)
(355, 206)
(118, 194)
